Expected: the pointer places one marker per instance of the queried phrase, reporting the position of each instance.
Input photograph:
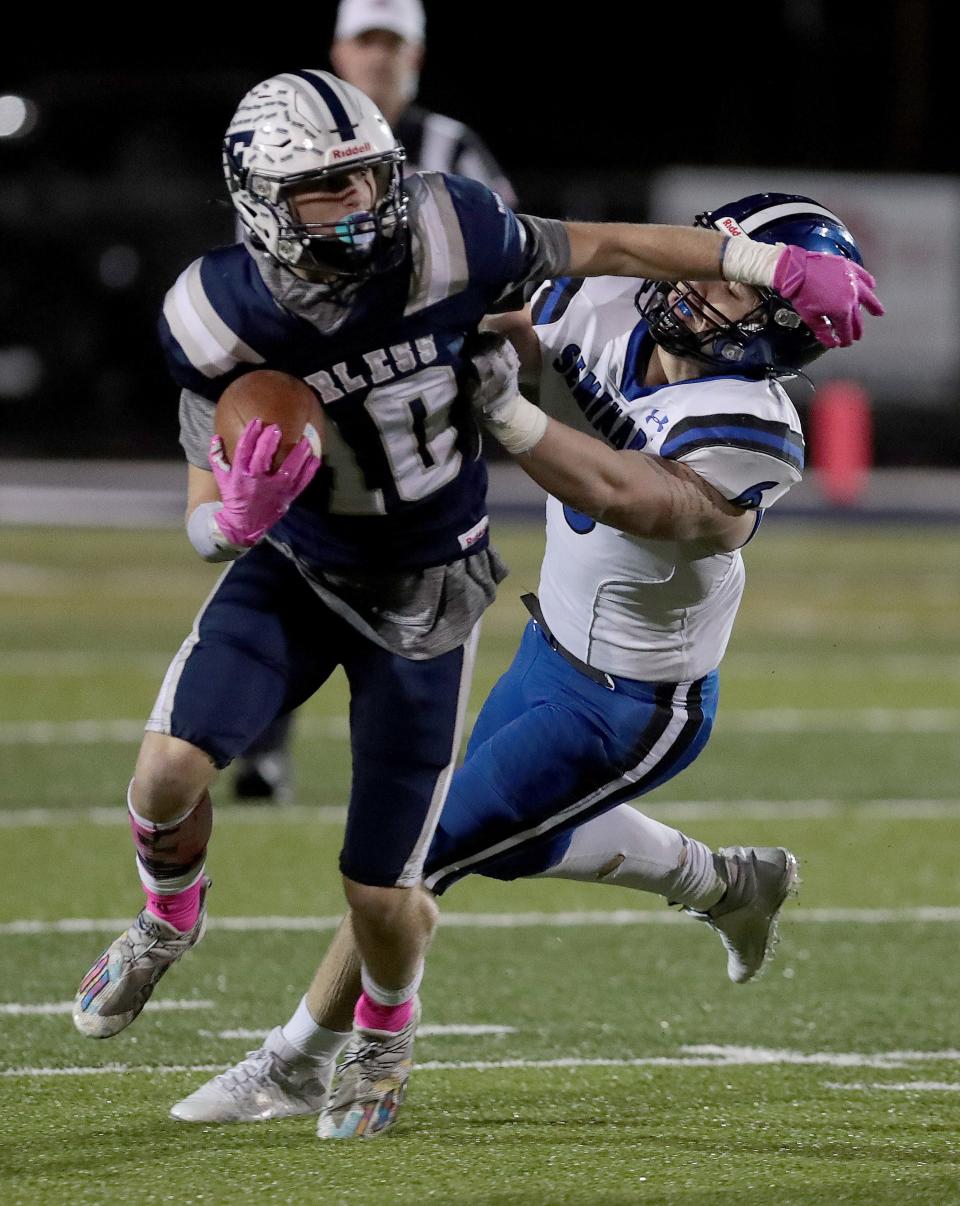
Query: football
(274, 398)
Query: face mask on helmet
(307, 132)
(770, 337)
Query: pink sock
(179, 909)
(368, 1015)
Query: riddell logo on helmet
(730, 227)
(338, 153)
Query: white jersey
(654, 610)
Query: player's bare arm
(656, 253)
(639, 494)
(827, 292)
(201, 488)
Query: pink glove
(827, 292)
(254, 498)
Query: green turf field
(618, 1064)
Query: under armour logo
(654, 416)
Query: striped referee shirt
(435, 143)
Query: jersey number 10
(396, 445)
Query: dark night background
(118, 187)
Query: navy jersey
(402, 484)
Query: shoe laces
(741, 876)
(146, 934)
(143, 936)
(254, 1066)
(377, 1050)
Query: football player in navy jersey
(378, 558)
(378, 46)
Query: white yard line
(503, 921)
(843, 720)
(121, 731)
(70, 732)
(227, 814)
(788, 810)
(904, 1086)
(701, 1056)
(730, 721)
(925, 666)
(114, 1070)
(13, 1009)
(681, 810)
(79, 662)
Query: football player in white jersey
(662, 435)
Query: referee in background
(378, 46)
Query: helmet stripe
(790, 209)
(331, 100)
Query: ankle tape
(170, 855)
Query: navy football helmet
(771, 338)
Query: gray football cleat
(119, 984)
(275, 1081)
(372, 1084)
(759, 879)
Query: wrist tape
(518, 425)
(749, 261)
(206, 537)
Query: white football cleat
(120, 983)
(372, 1084)
(275, 1081)
(759, 879)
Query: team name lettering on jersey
(598, 405)
(373, 368)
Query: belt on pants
(532, 604)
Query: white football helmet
(298, 127)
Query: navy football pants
(262, 644)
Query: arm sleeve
(549, 246)
(548, 251)
(504, 251)
(196, 427)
